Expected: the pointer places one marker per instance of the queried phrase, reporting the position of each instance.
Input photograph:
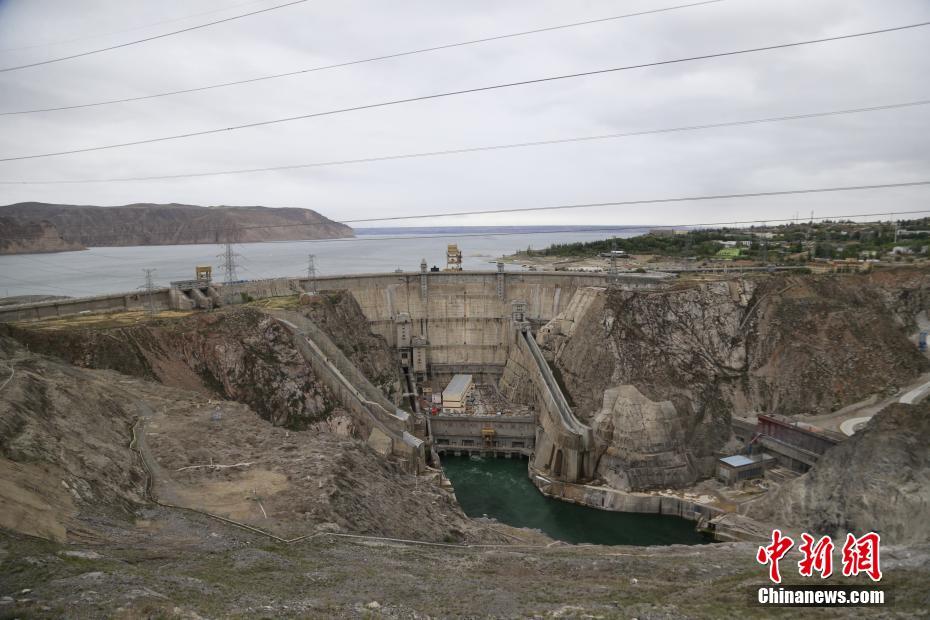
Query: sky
(870, 148)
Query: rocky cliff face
(877, 480)
(21, 237)
(787, 345)
(171, 224)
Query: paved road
(847, 419)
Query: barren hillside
(169, 224)
(34, 236)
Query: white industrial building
(455, 396)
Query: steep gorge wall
(788, 345)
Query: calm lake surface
(499, 488)
(118, 269)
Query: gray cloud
(875, 147)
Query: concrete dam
(484, 324)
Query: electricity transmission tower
(149, 288)
(311, 273)
(229, 266)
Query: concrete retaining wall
(605, 498)
(68, 307)
(138, 300)
(451, 432)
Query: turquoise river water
(499, 488)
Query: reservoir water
(119, 269)
(500, 489)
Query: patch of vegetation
(699, 243)
(827, 239)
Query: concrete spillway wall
(564, 446)
(389, 430)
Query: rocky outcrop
(642, 442)
(33, 237)
(166, 224)
(877, 480)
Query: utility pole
(311, 273)
(149, 288)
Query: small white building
(455, 396)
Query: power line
(477, 149)
(789, 192)
(152, 38)
(424, 50)
(133, 29)
(817, 190)
(598, 228)
(461, 92)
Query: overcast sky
(877, 147)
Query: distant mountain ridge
(43, 227)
